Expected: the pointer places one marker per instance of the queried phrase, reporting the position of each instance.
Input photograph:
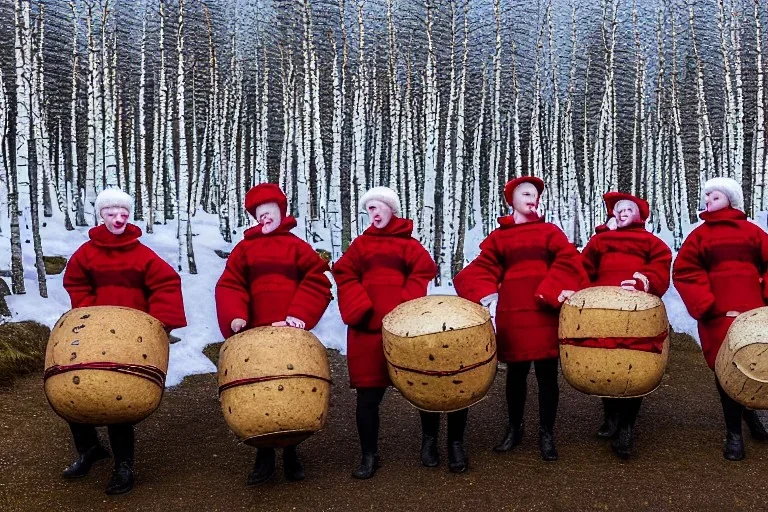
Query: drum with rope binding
(274, 385)
(440, 351)
(106, 365)
(613, 342)
(742, 361)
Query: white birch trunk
(431, 129)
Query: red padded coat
(380, 270)
(269, 277)
(118, 270)
(529, 265)
(721, 267)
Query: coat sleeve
(354, 302)
(232, 294)
(314, 291)
(691, 279)
(482, 276)
(566, 271)
(77, 283)
(657, 267)
(421, 271)
(764, 255)
(165, 300)
(590, 258)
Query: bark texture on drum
(742, 361)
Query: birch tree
(431, 112)
(184, 234)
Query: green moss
(22, 349)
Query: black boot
(512, 438)
(292, 466)
(756, 428)
(734, 446)
(429, 455)
(84, 461)
(610, 421)
(547, 445)
(263, 467)
(622, 443)
(122, 478)
(368, 466)
(457, 459)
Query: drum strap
(266, 378)
(444, 373)
(151, 373)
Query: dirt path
(188, 460)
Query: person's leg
(292, 466)
(367, 418)
(627, 410)
(430, 426)
(121, 439)
(516, 392)
(457, 424)
(89, 450)
(610, 419)
(263, 466)
(549, 396)
(732, 411)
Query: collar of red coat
(397, 227)
(635, 226)
(508, 221)
(724, 215)
(102, 237)
(287, 224)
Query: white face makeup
(627, 213)
(268, 216)
(115, 219)
(379, 212)
(716, 200)
(525, 199)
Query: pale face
(716, 200)
(525, 199)
(115, 218)
(626, 213)
(380, 213)
(269, 216)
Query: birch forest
(185, 104)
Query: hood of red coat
(102, 237)
(508, 221)
(724, 215)
(397, 227)
(286, 225)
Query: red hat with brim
(265, 193)
(510, 187)
(611, 198)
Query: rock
(22, 349)
(54, 264)
(324, 254)
(221, 254)
(212, 352)
(173, 339)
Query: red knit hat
(510, 187)
(265, 193)
(611, 198)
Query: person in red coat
(114, 269)
(529, 268)
(272, 277)
(380, 270)
(720, 272)
(623, 253)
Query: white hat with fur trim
(384, 194)
(727, 186)
(114, 197)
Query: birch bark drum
(274, 385)
(440, 351)
(106, 365)
(634, 324)
(742, 361)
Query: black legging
(625, 410)
(121, 439)
(367, 416)
(732, 410)
(517, 390)
(457, 423)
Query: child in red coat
(381, 269)
(114, 269)
(623, 253)
(272, 277)
(530, 268)
(720, 272)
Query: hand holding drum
(440, 351)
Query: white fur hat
(110, 197)
(384, 194)
(727, 186)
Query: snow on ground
(186, 357)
